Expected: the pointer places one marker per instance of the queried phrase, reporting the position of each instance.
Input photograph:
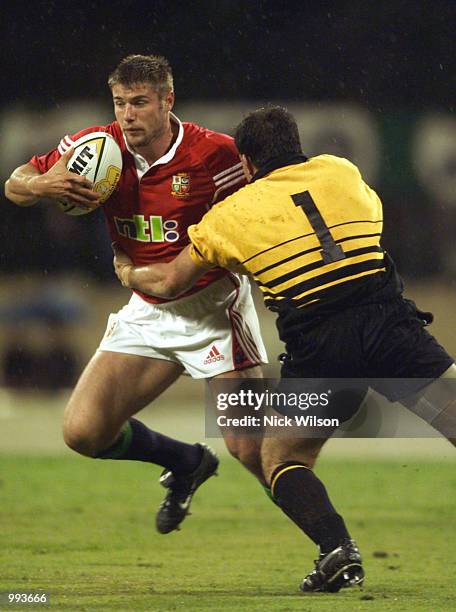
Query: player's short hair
(153, 69)
(267, 133)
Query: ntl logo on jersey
(153, 229)
(213, 356)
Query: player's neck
(160, 145)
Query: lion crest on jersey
(180, 187)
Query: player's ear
(247, 166)
(169, 100)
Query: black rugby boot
(181, 489)
(340, 568)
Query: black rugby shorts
(374, 342)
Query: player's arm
(27, 185)
(165, 280)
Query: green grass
(84, 531)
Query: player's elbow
(15, 197)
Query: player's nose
(129, 113)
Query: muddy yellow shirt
(303, 231)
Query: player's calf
(247, 450)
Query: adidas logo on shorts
(214, 355)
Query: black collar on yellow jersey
(279, 162)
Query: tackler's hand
(122, 265)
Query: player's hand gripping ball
(97, 157)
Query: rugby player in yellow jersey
(308, 231)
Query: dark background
(382, 54)
(395, 58)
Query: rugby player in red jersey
(172, 173)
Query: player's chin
(136, 139)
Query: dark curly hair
(267, 133)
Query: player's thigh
(399, 346)
(235, 381)
(221, 332)
(114, 386)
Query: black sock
(139, 443)
(303, 498)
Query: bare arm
(27, 185)
(165, 280)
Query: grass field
(83, 531)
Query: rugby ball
(96, 156)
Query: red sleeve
(47, 160)
(222, 161)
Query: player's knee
(82, 440)
(78, 441)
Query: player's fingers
(67, 155)
(93, 196)
(122, 271)
(85, 192)
(117, 268)
(81, 181)
(120, 257)
(117, 249)
(74, 198)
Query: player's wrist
(35, 186)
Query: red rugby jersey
(152, 207)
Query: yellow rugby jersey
(302, 231)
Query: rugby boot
(340, 568)
(181, 489)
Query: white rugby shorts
(213, 331)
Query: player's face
(141, 113)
